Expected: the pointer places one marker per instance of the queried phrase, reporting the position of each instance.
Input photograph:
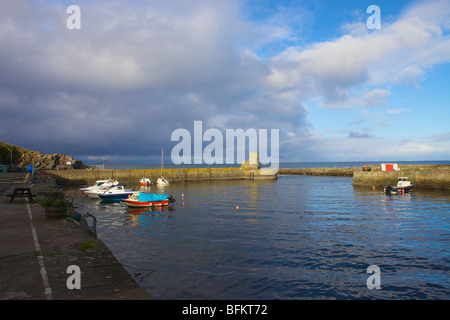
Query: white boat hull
(162, 182)
(93, 194)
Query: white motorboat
(403, 186)
(100, 184)
(403, 182)
(116, 193)
(93, 194)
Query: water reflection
(143, 216)
(297, 237)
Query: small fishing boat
(116, 193)
(142, 199)
(145, 182)
(403, 186)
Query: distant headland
(17, 157)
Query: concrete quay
(36, 253)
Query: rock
(22, 157)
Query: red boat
(145, 182)
(141, 199)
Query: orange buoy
(237, 207)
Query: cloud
(134, 73)
(358, 135)
(397, 110)
(131, 68)
(137, 70)
(440, 137)
(383, 123)
(397, 53)
(413, 147)
(373, 99)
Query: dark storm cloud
(129, 77)
(136, 71)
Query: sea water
(298, 237)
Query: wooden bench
(21, 193)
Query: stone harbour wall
(89, 176)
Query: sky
(336, 88)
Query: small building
(389, 167)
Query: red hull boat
(141, 199)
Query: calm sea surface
(299, 237)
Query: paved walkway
(36, 252)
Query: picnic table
(21, 193)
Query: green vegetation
(18, 153)
(86, 245)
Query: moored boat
(93, 194)
(403, 186)
(116, 193)
(95, 191)
(162, 181)
(145, 182)
(100, 184)
(142, 199)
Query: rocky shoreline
(17, 158)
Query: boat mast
(162, 153)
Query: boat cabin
(403, 182)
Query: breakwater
(428, 176)
(336, 172)
(421, 175)
(77, 177)
(421, 179)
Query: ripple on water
(298, 237)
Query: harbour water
(297, 237)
